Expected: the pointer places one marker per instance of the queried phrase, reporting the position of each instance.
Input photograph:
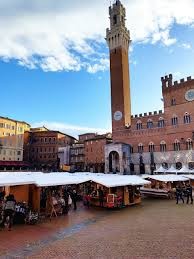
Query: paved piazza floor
(155, 229)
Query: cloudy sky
(54, 60)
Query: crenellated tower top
(118, 35)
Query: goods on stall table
(32, 218)
(110, 200)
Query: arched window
(173, 101)
(165, 165)
(114, 19)
(174, 120)
(151, 147)
(162, 146)
(139, 125)
(177, 146)
(161, 123)
(178, 165)
(191, 165)
(150, 124)
(189, 144)
(140, 148)
(187, 118)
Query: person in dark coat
(189, 192)
(179, 194)
(74, 198)
(2, 195)
(9, 210)
(66, 198)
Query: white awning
(184, 170)
(111, 180)
(57, 179)
(189, 176)
(168, 178)
(60, 179)
(172, 170)
(161, 169)
(12, 180)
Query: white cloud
(73, 130)
(186, 46)
(68, 35)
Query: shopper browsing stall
(9, 210)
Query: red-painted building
(148, 140)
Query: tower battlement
(168, 83)
(117, 35)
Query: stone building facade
(77, 157)
(95, 152)
(155, 138)
(41, 148)
(11, 142)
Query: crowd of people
(183, 191)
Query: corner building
(144, 142)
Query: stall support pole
(7, 190)
(36, 199)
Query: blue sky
(54, 64)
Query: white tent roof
(168, 178)
(56, 179)
(111, 180)
(161, 169)
(15, 180)
(189, 176)
(184, 169)
(172, 170)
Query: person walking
(189, 192)
(9, 210)
(179, 194)
(66, 198)
(74, 199)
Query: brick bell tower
(118, 40)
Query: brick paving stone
(155, 229)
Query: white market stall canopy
(119, 180)
(17, 178)
(184, 170)
(172, 170)
(161, 169)
(14, 181)
(57, 179)
(168, 178)
(189, 176)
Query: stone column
(121, 164)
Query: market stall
(51, 188)
(191, 178)
(162, 185)
(115, 190)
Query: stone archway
(179, 165)
(114, 163)
(142, 168)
